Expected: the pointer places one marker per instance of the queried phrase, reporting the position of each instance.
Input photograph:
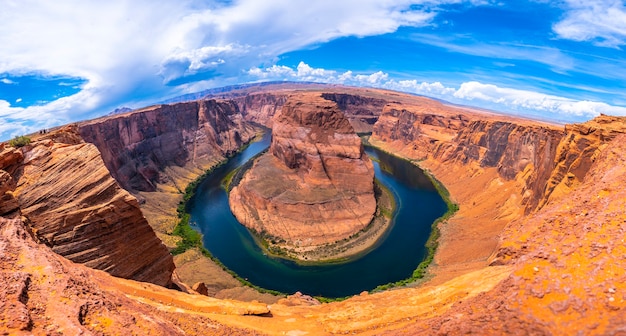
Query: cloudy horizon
(68, 61)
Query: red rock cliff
(362, 111)
(74, 206)
(315, 186)
(138, 146)
(446, 135)
(577, 152)
(261, 107)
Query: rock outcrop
(361, 111)
(577, 152)
(315, 186)
(138, 147)
(568, 263)
(74, 206)
(261, 107)
(512, 147)
(42, 293)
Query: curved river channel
(418, 205)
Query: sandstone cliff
(137, 147)
(261, 107)
(577, 152)
(444, 135)
(73, 205)
(568, 263)
(315, 186)
(361, 110)
(42, 293)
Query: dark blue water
(394, 259)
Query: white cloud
(18, 100)
(135, 52)
(468, 93)
(7, 81)
(601, 21)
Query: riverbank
(165, 209)
(486, 204)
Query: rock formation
(361, 111)
(315, 186)
(261, 107)
(42, 293)
(511, 146)
(138, 147)
(73, 205)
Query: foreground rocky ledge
(316, 184)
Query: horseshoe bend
(315, 186)
(92, 243)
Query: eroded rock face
(137, 147)
(261, 107)
(42, 293)
(577, 152)
(361, 111)
(315, 186)
(524, 150)
(74, 206)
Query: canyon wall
(261, 107)
(315, 186)
(362, 111)
(139, 146)
(567, 259)
(72, 204)
(577, 152)
(445, 135)
(43, 293)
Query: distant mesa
(315, 185)
(120, 110)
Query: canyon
(315, 186)
(535, 248)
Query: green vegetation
(19, 141)
(234, 177)
(191, 238)
(433, 240)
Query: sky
(67, 60)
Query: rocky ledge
(315, 186)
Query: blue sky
(63, 61)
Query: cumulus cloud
(7, 81)
(516, 99)
(602, 22)
(468, 93)
(136, 52)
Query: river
(393, 259)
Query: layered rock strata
(42, 293)
(362, 111)
(138, 147)
(156, 152)
(315, 186)
(73, 205)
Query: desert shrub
(19, 141)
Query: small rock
(201, 288)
